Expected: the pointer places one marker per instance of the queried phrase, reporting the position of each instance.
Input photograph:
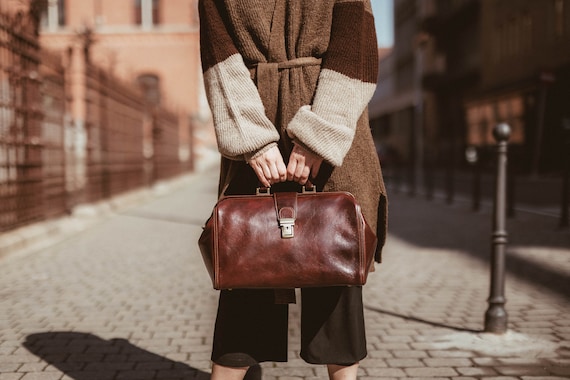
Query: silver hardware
(286, 225)
(312, 189)
(263, 191)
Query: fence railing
(20, 127)
(73, 133)
(53, 105)
(114, 127)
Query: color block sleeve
(346, 84)
(242, 128)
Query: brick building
(98, 98)
(153, 44)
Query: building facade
(402, 112)
(153, 43)
(90, 104)
(525, 80)
(458, 68)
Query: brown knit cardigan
(283, 72)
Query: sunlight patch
(508, 344)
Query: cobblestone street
(129, 298)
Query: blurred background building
(97, 97)
(152, 44)
(459, 67)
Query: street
(129, 298)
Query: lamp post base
(496, 319)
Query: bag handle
(308, 188)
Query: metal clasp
(287, 227)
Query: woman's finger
(295, 167)
(316, 167)
(259, 172)
(291, 167)
(303, 178)
(278, 171)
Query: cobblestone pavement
(128, 298)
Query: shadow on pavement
(84, 356)
(419, 320)
(428, 224)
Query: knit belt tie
(292, 63)
(267, 76)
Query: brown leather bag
(287, 240)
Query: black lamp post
(496, 315)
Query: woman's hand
(269, 167)
(302, 165)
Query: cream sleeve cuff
(327, 127)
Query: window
(61, 12)
(150, 87)
(147, 12)
(54, 15)
(138, 12)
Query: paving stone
(32, 367)
(522, 370)
(18, 359)
(451, 354)
(42, 376)
(560, 371)
(430, 372)
(9, 367)
(391, 346)
(409, 354)
(476, 371)
(11, 376)
(129, 298)
(403, 363)
(487, 361)
(379, 354)
(385, 372)
(136, 375)
(447, 362)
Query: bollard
(565, 198)
(472, 158)
(496, 315)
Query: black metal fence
(72, 133)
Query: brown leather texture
(243, 245)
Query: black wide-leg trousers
(251, 328)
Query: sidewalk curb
(43, 234)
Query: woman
(288, 82)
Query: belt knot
(267, 75)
